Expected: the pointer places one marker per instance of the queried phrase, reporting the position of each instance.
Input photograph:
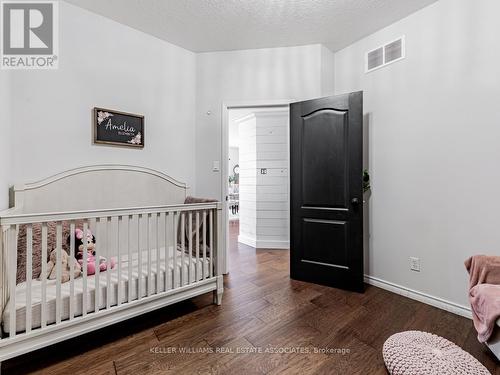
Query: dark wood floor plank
(284, 338)
(361, 359)
(240, 360)
(481, 353)
(163, 359)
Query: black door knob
(355, 201)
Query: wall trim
(280, 245)
(428, 299)
(252, 242)
(247, 241)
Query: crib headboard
(98, 187)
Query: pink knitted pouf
(416, 353)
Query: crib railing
(181, 242)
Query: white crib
(157, 264)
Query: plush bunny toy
(92, 262)
(65, 266)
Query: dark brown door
(326, 162)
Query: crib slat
(58, 271)
(211, 241)
(43, 276)
(183, 248)
(166, 252)
(84, 269)
(108, 262)
(129, 258)
(6, 259)
(157, 253)
(174, 266)
(29, 276)
(204, 234)
(148, 241)
(190, 245)
(197, 246)
(3, 249)
(5, 264)
(119, 262)
(12, 254)
(139, 258)
(97, 275)
(218, 253)
(72, 270)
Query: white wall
(327, 72)
(105, 64)
(5, 138)
(249, 75)
(434, 127)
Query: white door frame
(226, 106)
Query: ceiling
(220, 25)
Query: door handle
(354, 201)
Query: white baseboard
(252, 242)
(428, 299)
(281, 245)
(440, 303)
(247, 241)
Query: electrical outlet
(263, 171)
(415, 264)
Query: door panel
(326, 153)
(326, 242)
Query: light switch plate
(216, 166)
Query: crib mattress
(148, 283)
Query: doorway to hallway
(256, 178)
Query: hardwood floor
(262, 309)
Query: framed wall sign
(118, 128)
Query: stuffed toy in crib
(65, 267)
(92, 262)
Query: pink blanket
(484, 293)
(485, 302)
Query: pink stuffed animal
(92, 261)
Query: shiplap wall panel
(275, 206)
(264, 200)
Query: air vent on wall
(375, 58)
(385, 55)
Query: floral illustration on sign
(136, 140)
(101, 116)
